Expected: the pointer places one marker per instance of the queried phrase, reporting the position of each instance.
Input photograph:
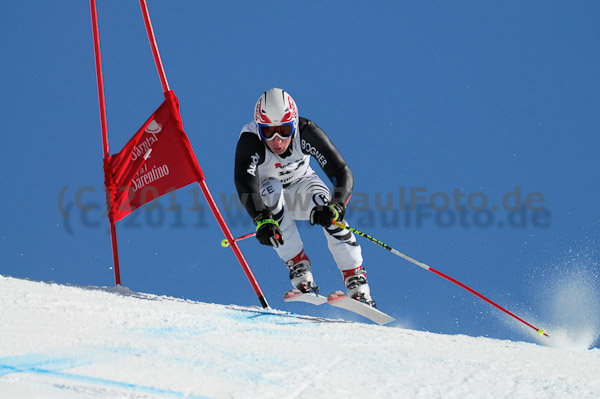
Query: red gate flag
(157, 160)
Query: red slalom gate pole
(154, 46)
(211, 202)
(101, 101)
(431, 269)
(233, 243)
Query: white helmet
(276, 113)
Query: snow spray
(574, 302)
(570, 291)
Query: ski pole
(225, 243)
(431, 269)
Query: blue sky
(478, 98)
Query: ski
(340, 300)
(296, 295)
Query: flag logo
(154, 127)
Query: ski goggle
(284, 131)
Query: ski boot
(357, 285)
(300, 274)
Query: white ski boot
(357, 285)
(301, 276)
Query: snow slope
(61, 341)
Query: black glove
(325, 215)
(268, 232)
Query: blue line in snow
(6, 369)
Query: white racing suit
(289, 188)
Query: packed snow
(66, 342)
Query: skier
(277, 186)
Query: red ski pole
(431, 269)
(225, 243)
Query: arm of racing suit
(316, 143)
(250, 153)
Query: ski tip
(336, 296)
(341, 300)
